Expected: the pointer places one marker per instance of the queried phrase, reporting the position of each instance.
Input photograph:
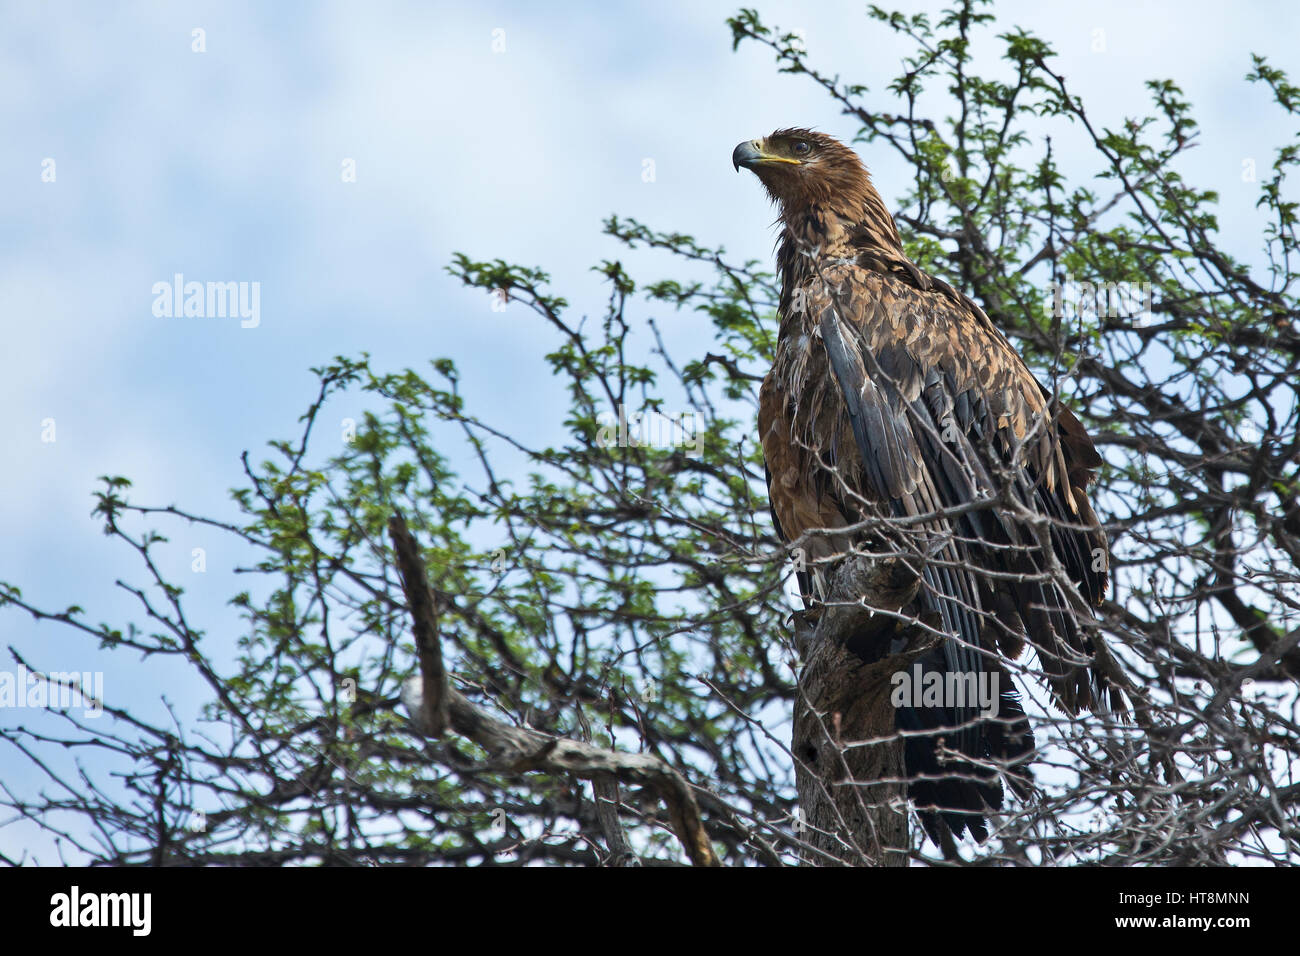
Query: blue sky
(225, 165)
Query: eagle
(896, 411)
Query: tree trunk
(848, 757)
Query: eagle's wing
(944, 414)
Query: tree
(620, 596)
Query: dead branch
(434, 705)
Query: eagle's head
(800, 167)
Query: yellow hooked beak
(751, 153)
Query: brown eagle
(894, 400)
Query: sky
(337, 154)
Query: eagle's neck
(857, 227)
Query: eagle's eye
(802, 148)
